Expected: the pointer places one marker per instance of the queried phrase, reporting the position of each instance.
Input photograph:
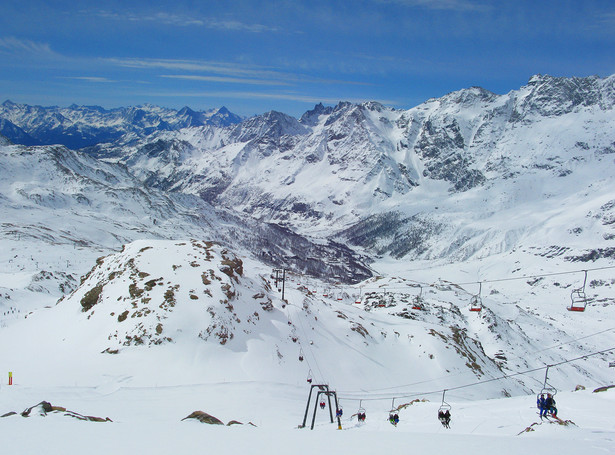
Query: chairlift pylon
(578, 299)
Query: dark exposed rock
(204, 418)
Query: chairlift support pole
(328, 393)
(307, 407)
(330, 410)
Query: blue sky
(254, 56)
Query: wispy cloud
(182, 20)
(233, 72)
(264, 95)
(226, 68)
(454, 5)
(90, 79)
(231, 80)
(21, 47)
(607, 18)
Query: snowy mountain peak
(311, 117)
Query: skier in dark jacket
(550, 405)
(447, 418)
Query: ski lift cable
(301, 346)
(358, 392)
(565, 343)
(499, 378)
(496, 280)
(308, 347)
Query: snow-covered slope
(62, 209)
(220, 316)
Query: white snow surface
(148, 420)
(168, 321)
(57, 354)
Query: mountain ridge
(85, 126)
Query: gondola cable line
(499, 378)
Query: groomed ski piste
(373, 356)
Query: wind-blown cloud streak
(235, 72)
(182, 20)
(264, 95)
(230, 80)
(21, 47)
(452, 5)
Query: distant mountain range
(82, 126)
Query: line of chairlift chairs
(578, 298)
(444, 412)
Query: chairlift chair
(444, 412)
(547, 389)
(361, 413)
(309, 377)
(393, 414)
(476, 303)
(418, 301)
(578, 298)
(300, 355)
